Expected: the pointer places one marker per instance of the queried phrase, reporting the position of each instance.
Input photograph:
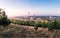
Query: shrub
(18, 22)
(4, 21)
(53, 25)
(39, 24)
(45, 25)
(50, 25)
(35, 26)
(30, 23)
(57, 24)
(23, 23)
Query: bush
(4, 21)
(57, 24)
(18, 22)
(50, 25)
(39, 24)
(35, 26)
(23, 23)
(54, 25)
(45, 25)
(30, 23)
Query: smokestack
(29, 15)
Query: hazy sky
(37, 7)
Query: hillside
(19, 31)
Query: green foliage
(55, 24)
(35, 26)
(4, 21)
(39, 24)
(50, 25)
(18, 22)
(58, 25)
(23, 23)
(30, 23)
(45, 25)
(3, 18)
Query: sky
(34, 7)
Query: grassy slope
(18, 31)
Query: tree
(57, 24)
(53, 25)
(4, 20)
(50, 25)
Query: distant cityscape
(35, 17)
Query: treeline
(50, 24)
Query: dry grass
(19, 31)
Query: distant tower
(34, 17)
(29, 15)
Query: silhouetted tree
(4, 20)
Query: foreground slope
(19, 31)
